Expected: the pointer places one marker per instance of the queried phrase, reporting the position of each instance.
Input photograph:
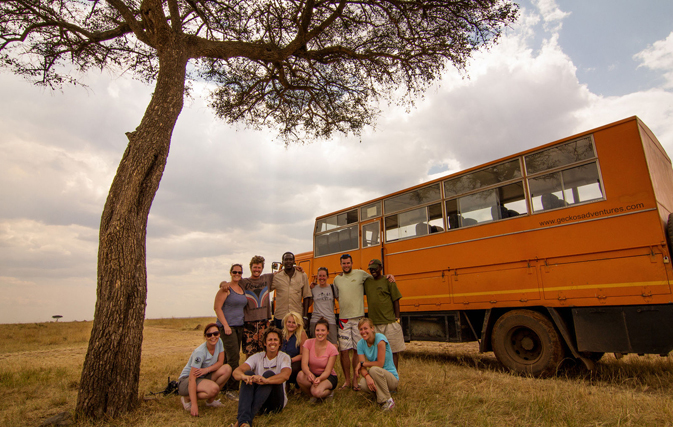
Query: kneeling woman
(376, 364)
(318, 377)
(205, 373)
(263, 378)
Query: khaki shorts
(393, 331)
(348, 333)
(183, 383)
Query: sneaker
(215, 404)
(231, 396)
(185, 404)
(330, 397)
(388, 405)
(313, 400)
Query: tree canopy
(314, 66)
(307, 68)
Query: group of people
(279, 352)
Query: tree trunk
(109, 383)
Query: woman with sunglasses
(205, 373)
(229, 307)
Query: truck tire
(526, 342)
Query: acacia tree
(307, 68)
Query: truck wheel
(526, 342)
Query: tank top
(233, 308)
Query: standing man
(383, 302)
(351, 310)
(292, 291)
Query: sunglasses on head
(213, 334)
(344, 256)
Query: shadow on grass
(638, 373)
(479, 361)
(651, 373)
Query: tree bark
(110, 376)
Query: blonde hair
(300, 326)
(366, 320)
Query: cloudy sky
(229, 193)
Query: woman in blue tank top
(229, 307)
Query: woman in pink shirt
(318, 377)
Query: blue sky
(602, 37)
(230, 193)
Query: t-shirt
(201, 358)
(290, 292)
(380, 297)
(259, 364)
(317, 364)
(323, 303)
(371, 353)
(257, 292)
(351, 294)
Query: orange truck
(561, 250)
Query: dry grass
(441, 385)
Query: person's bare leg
(395, 359)
(355, 361)
(304, 383)
(321, 390)
(346, 367)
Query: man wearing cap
(383, 302)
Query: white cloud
(659, 56)
(552, 15)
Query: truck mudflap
(642, 329)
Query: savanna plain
(441, 385)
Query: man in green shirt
(383, 302)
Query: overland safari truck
(561, 250)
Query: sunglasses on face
(212, 334)
(236, 272)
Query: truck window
(408, 200)
(370, 211)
